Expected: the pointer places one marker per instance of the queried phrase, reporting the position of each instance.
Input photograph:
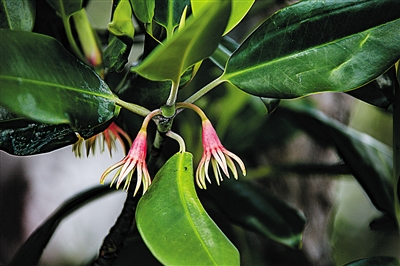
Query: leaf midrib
(59, 86)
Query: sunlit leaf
(173, 223)
(144, 10)
(40, 80)
(315, 46)
(17, 15)
(239, 9)
(168, 13)
(196, 41)
(121, 23)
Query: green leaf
(31, 251)
(17, 15)
(116, 54)
(259, 212)
(121, 23)
(40, 80)
(379, 92)
(173, 223)
(65, 8)
(376, 261)
(168, 13)
(144, 10)
(196, 41)
(369, 160)
(239, 9)
(316, 46)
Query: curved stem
(194, 108)
(149, 117)
(179, 139)
(173, 94)
(200, 93)
(134, 108)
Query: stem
(71, 39)
(396, 149)
(179, 139)
(173, 94)
(200, 93)
(149, 117)
(194, 108)
(134, 108)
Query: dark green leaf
(270, 103)
(43, 82)
(258, 211)
(315, 46)
(17, 15)
(31, 251)
(22, 137)
(65, 8)
(196, 41)
(173, 223)
(369, 160)
(116, 54)
(379, 92)
(144, 10)
(376, 261)
(168, 13)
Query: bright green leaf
(174, 224)
(239, 9)
(196, 41)
(168, 13)
(42, 81)
(17, 15)
(144, 10)
(121, 23)
(315, 46)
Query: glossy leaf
(223, 52)
(17, 15)
(116, 54)
(144, 10)
(31, 251)
(376, 261)
(168, 13)
(259, 212)
(379, 92)
(65, 8)
(288, 56)
(173, 223)
(239, 9)
(369, 160)
(121, 23)
(196, 41)
(43, 82)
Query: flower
(136, 159)
(108, 136)
(220, 157)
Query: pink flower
(220, 157)
(108, 136)
(136, 159)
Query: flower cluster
(214, 153)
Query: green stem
(179, 139)
(71, 39)
(396, 149)
(173, 94)
(200, 93)
(134, 108)
(194, 108)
